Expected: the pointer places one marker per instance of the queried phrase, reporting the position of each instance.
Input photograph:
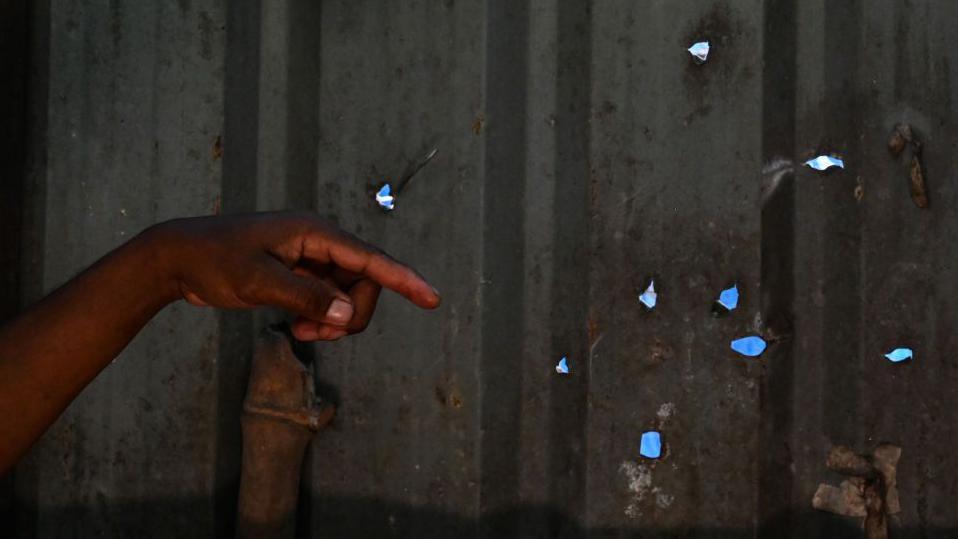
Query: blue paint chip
(824, 162)
(563, 366)
(900, 354)
(751, 346)
(384, 198)
(728, 298)
(649, 297)
(700, 51)
(651, 445)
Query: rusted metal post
(280, 416)
(871, 491)
(902, 137)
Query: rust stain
(659, 352)
(897, 143)
(607, 109)
(593, 327)
(919, 193)
(447, 393)
(903, 137)
(478, 123)
(218, 147)
(871, 490)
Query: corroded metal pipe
(280, 416)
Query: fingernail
(339, 312)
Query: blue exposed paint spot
(823, 162)
(384, 198)
(899, 354)
(700, 51)
(649, 297)
(752, 346)
(729, 298)
(563, 366)
(651, 446)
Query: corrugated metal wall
(582, 152)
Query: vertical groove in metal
(303, 80)
(843, 226)
(573, 212)
(238, 194)
(506, 55)
(302, 112)
(777, 254)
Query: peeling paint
(666, 411)
(639, 477)
(663, 500)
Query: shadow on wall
(369, 518)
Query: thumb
(308, 296)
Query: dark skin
(295, 261)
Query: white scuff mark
(663, 500)
(778, 166)
(596, 343)
(639, 478)
(772, 175)
(688, 375)
(666, 411)
(757, 324)
(626, 199)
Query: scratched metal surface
(582, 152)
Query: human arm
(295, 261)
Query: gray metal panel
(873, 275)
(135, 103)
(395, 80)
(582, 152)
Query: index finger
(352, 254)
